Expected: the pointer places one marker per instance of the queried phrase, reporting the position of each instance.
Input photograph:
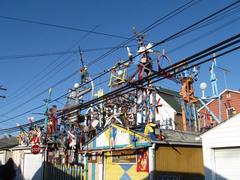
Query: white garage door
(227, 163)
(32, 167)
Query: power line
(212, 31)
(44, 54)
(199, 26)
(159, 21)
(206, 52)
(172, 68)
(26, 86)
(60, 26)
(169, 38)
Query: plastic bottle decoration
(35, 137)
(53, 120)
(71, 140)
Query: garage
(229, 157)
(221, 150)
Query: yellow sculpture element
(149, 128)
(118, 74)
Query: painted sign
(35, 149)
(124, 157)
(142, 161)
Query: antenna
(224, 70)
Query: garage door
(32, 167)
(227, 163)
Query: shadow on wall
(60, 172)
(161, 175)
(7, 171)
(209, 172)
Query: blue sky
(113, 17)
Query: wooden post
(184, 117)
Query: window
(230, 112)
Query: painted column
(152, 162)
(184, 121)
(86, 166)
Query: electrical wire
(182, 63)
(61, 26)
(159, 21)
(172, 36)
(82, 106)
(32, 84)
(44, 54)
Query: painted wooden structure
(113, 154)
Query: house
(121, 153)
(113, 154)
(221, 150)
(169, 114)
(230, 105)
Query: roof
(8, 142)
(171, 137)
(225, 90)
(229, 121)
(118, 137)
(171, 97)
(180, 137)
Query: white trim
(225, 90)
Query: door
(227, 163)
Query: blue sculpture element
(213, 78)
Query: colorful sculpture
(119, 74)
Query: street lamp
(203, 86)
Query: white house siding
(165, 116)
(2, 157)
(27, 165)
(218, 141)
(33, 166)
